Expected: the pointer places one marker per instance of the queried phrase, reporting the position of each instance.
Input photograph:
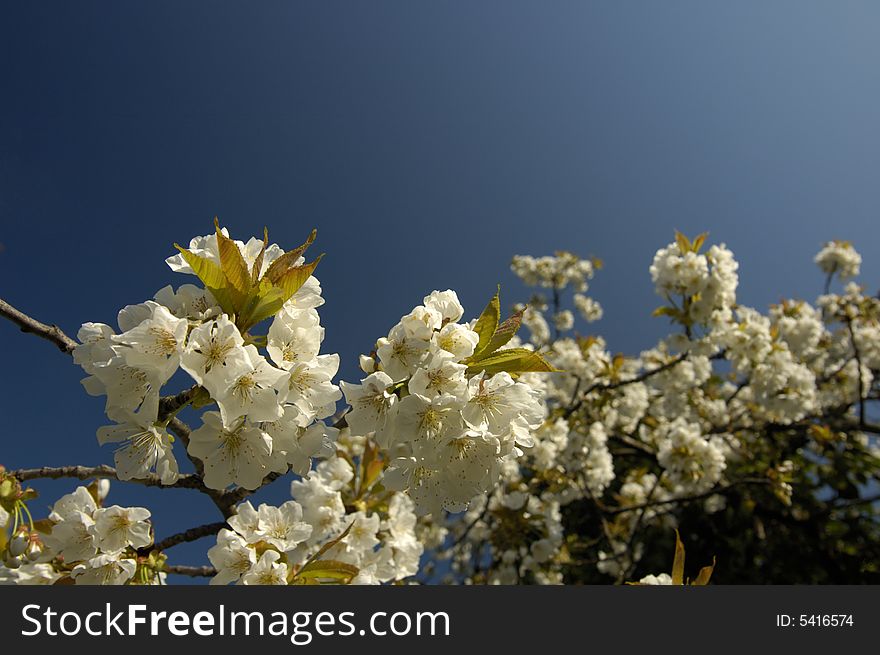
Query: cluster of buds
(22, 543)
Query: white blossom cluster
(839, 258)
(706, 282)
(448, 432)
(90, 544)
(688, 414)
(559, 272)
(448, 447)
(268, 406)
(271, 545)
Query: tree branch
(31, 325)
(687, 499)
(186, 481)
(607, 386)
(191, 571)
(186, 536)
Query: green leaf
(232, 263)
(504, 332)
(487, 324)
(328, 569)
(265, 300)
(665, 310)
(214, 280)
(511, 360)
(269, 297)
(699, 241)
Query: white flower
(246, 522)
(154, 344)
(564, 320)
(212, 350)
(231, 557)
(117, 527)
(104, 570)
(661, 579)
(497, 400)
(441, 375)
(361, 538)
(241, 454)
(282, 526)
(128, 389)
(294, 336)
(267, 571)
(189, 301)
(401, 352)
(146, 446)
(73, 538)
(446, 304)
(310, 389)
(419, 417)
(457, 340)
(588, 308)
(80, 501)
(297, 444)
(249, 390)
(334, 473)
(370, 402)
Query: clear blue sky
(427, 142)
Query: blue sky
(428, 142)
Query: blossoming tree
(469, 453)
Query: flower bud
(34, 549)
(19, 543)
(12, 561)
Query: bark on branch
(192, 571)
(186, 481)
(26, 323)
(186, 536)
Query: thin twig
(852, 337)
(688, 499)
(608, 386)
(26, 323)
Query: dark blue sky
(427, 142)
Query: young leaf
(504, 332)
(511, 360)
(665, 310)
(258, 262)
(704, 574)
(328, 569)
(232, 263)
(288, 260)
(684, 244)
(294, 278)
(487, 324)
(678, 562)
(699, 241)
(264, 301)
(214, 280)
